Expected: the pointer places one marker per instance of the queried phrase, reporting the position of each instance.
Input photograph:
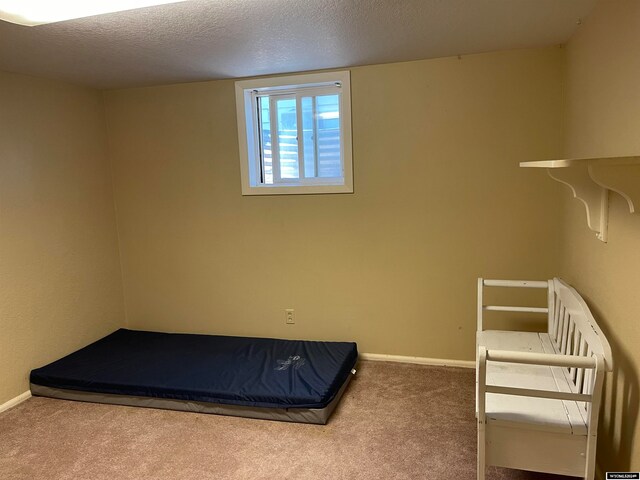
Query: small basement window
(295, 134)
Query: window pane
(309, 136)
(265, 140)
(287, 120)
(328, 132)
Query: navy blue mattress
(256, 372)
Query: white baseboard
(15, 401)
(439, 362)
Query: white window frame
(293, 85)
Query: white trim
(288, 81)
(15, 401)
(439, 362)
(297, 190)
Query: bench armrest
(536, 393)
(549, 359)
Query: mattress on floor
(256, 377)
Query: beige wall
(60, 285)
(439, 200)
(603, 118)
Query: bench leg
(481, 451)
(591, 458)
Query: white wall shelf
(591, 179)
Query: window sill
(284, 189)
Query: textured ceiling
(208, 39)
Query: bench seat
(562, 416)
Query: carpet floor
(395, 421)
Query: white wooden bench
(538, 393)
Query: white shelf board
(570, 162)
(591, 180)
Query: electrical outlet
(289, 316)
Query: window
(295, 134)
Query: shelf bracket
(591, 180)
(595, 197)
(623, 181)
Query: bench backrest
(570, 324)
(574, 331)
(482, 283)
